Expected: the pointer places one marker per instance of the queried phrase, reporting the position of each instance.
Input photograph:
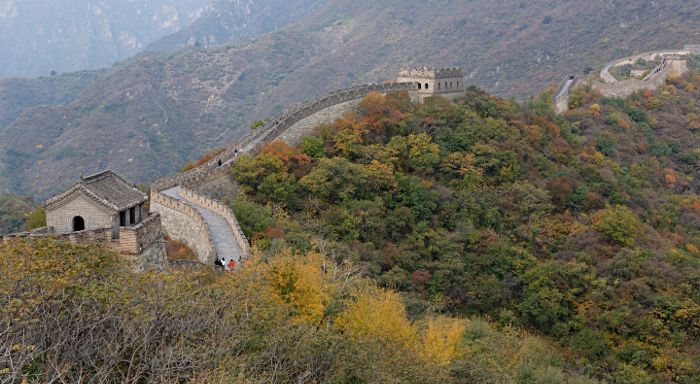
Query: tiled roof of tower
(110, 189)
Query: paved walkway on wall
(221, 232)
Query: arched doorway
(78, 224)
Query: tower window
(438, 85)
(427, 86)
(419, 85)
(450, 85)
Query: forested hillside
(14, 212)
(155, 110)
(584, 227)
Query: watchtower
(446, 82)
(692, 48)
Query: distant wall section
(673, 64)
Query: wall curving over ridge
(183, 223)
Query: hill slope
(225, 20)
(206, 97)
(584, 227)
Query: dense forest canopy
(582, 227)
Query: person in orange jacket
(231, 264)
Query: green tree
(619, 224)
(313, 146)
(37, 219)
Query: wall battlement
(184, 223)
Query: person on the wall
(231, 264)
(219, 262)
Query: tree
(37, 219)
(258, 123)
(547, 19)
(619, 224)
(313, 147)
(423, 154)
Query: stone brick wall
(141, 244)
(257, 139)
(223, 210)
(305, 127)
(184, 223)
(560, 97)
(95, 216)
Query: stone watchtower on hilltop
(446, 82)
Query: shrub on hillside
(619, 224)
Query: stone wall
(561, 97)
(625, 88)
(184, 223)
(141, 244)
(268, 132)
(223, 210)
(305, 127)
(648, 56)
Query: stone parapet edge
(191, 212)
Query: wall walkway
(224, 239)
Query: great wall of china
(673, 62)
(184, 210)
(208, 227)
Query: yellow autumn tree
(423, 154)
(299, 281)
(441, 340)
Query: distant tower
(446, 82)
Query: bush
(591, 344)
(619, 224)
